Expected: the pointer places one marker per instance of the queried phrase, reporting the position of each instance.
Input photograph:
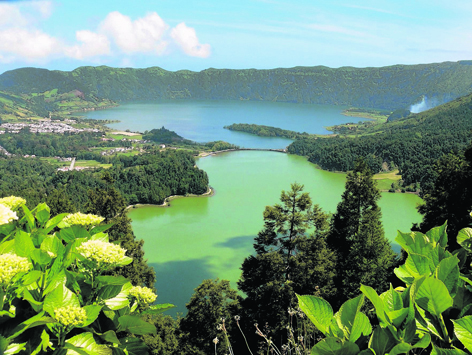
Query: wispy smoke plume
(427, 103)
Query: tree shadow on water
(239, 242)
(176, 281)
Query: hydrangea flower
(12, 202)
(143, 294)
(10, 265)
(102, 252)
(6, 215)
(83, 219)
(71, 315)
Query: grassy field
(385, 180)
(91, 164)
(121, 136)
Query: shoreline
(210, 192)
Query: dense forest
(266, 131)
(394, 87)
(412, 144)
(148, 178)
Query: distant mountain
(393, 87)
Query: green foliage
(162, 135)
(356, 235)
(287, 260)
(266, 131)
(211, 308)
(432, 311)
(413, 144)
(391, 87)
(53, 295)
(450, 197)
(147, 178)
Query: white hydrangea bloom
(12, 202)
(102, 252)
(83, 219)
(70, 315)
(143, 294)
(6, 215)
(10, 265)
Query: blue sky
(262, 34)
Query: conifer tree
(287, 261)
(364, 254)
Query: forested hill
(412, 144)
(390, 87)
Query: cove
(209, 237)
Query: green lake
(209, 237)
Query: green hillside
(411, 144)
(389, 88)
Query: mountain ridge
(392, 87)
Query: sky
(232, 34)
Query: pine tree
(287, 261)
(364, 254)
(450, 197)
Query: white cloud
(29, 45)
(186, 38)
(144, 35)
(92, 45)
(11, 15)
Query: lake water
(203, 121)
(209, 237)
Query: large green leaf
(7, 247)
(60, 297)
(100, 228)
(112, 280)
(70, 234)
(440, 351)
(23, 244)
(42, 213)
(381, 341)
(463, 331)
(317, 310)
(87, 343)
(44, 345)
(334, 346)
(109, 336)
(53, 222)
(52, 244)
(158, 308)
(92, 312)
(464, 238)
(448, 272)
(433, 296)
(121, 300)
(134, 346)
(413, 242)
(15, 348)
(41, 257)
(392, 300)
(56, 281)
(110, 291)
(136, 325)
(403, 348)
(437, 235)
(378, 303)
(38, 319)
(351, 321)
